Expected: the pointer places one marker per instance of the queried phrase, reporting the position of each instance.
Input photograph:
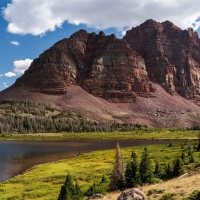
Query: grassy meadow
(137, 134)
(43, 182)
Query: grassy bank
(43, 182)
(144, 134)
(175, 189)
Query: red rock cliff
(172, 56)
(103, 65)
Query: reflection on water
(18, 156)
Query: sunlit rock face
(172, 56)
(103, 65)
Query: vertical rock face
(58, 67)
(116, 73)
(172, 56)
(103, 65)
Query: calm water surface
(18, 156)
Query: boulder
(132, 194)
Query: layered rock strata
(172, 56)
(103, 65)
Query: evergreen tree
(177, 170)
(69, 191)
(191, 158)
(169, 171)
(145, 170)
(131, 174)
(62, 193)
(157, 170)
(198, 147)
(182, 155)
(117, 176)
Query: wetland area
(18, 156)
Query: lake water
(18, 156)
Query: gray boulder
(132, 194)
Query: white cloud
(21, 65)
(37, 17)
(15, 43)
(10, 74)
(5, 85)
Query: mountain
(151, 76)
(172, 56)
(102, 65)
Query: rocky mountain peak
(170, 54)
(119, 70)
(103, 65)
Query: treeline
(26, 124)
(23, 107)
(28, 117)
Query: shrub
(194, 196)
(168, 196)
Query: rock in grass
(132, 194)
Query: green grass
(145, 134)
(43, 182)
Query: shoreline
(45, 179)
(149, 134)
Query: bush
(168, 196)
(155, 191)
(194, 196)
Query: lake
(18, 156)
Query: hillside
(150, 77)
(181, 188)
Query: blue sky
(28, 27)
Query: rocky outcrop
(132, 194)
(103, 65)
(58, 67)
(117, 73)
(172, 56)
(118, 70)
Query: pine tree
(157, 170)
(177, 170)
(145, 170)
(191, 158)
(69, 191)
(132, 172)
(62, 193)
(117, 176)
(198, 147)
(182, 155)
(169, 171)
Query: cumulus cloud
(5, 85)
(10, 74)
(15, 43)
(37, 17)
(21, 65)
